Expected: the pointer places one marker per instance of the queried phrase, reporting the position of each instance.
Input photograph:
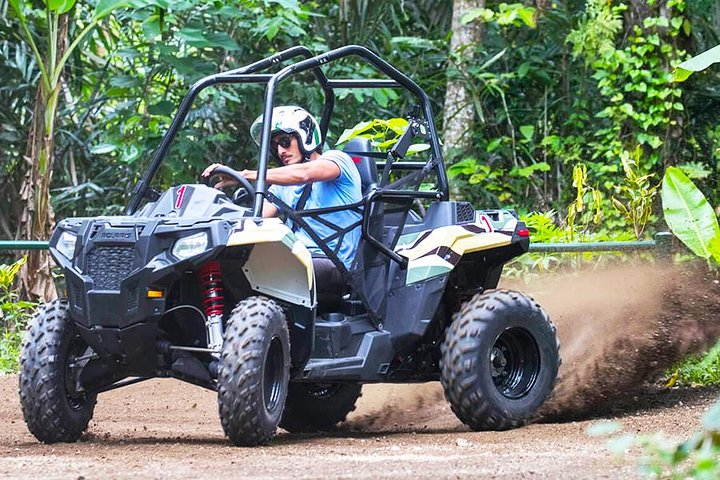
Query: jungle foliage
(577, 112)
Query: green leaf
(102, 148)
(467, 166)
(494, 59)
(380, 97)
(484, 14)
(130, 153)
(163, 107)
(526, 172)
(689, 215)
(417, 148)
(523, 69)
(397, 124)
(353, 132)
(287, 4)
(198, 38)
(687, 27)
(60, 6)
(493, 144)
(125, 81)
(696, 64)
(19, 8)
(222, 40)
(527, 15)
(527, 131)
(105, 7)
(273, 28)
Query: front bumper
(117, 260)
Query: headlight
(66, 244)
(190, 246)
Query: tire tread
(46, 411)
(461, 348)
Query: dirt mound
(618, 329)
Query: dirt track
(167, 429)
(616, 328)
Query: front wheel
(500, 360)
(254, 371)
(54, 408)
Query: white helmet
(291, 119)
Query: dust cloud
(618, 328)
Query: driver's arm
(319, 170)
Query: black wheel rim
(76, 400)
(273, 378)
(514, 363)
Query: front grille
(464, 212)
(108, 266)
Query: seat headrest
(366, 165)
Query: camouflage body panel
(279, 264)
(431, 253)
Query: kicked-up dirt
(618, 329)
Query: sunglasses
(282, 139)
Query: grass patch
(698, 370)
(10, 344)
(14, 315)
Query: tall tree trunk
(459, 111)
(37, 218)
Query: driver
(333, 179)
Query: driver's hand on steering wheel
(225, 181)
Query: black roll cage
(251, 74)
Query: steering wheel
(239, 196)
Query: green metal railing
(662, 245)
(23, 245)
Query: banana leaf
(689, 215)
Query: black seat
(366, 165)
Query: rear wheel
(312, 407)
(500, 359)
(55, 410)
(254, 371)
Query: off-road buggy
(195, 285)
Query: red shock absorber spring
(211, 281)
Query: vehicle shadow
(283, 438)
